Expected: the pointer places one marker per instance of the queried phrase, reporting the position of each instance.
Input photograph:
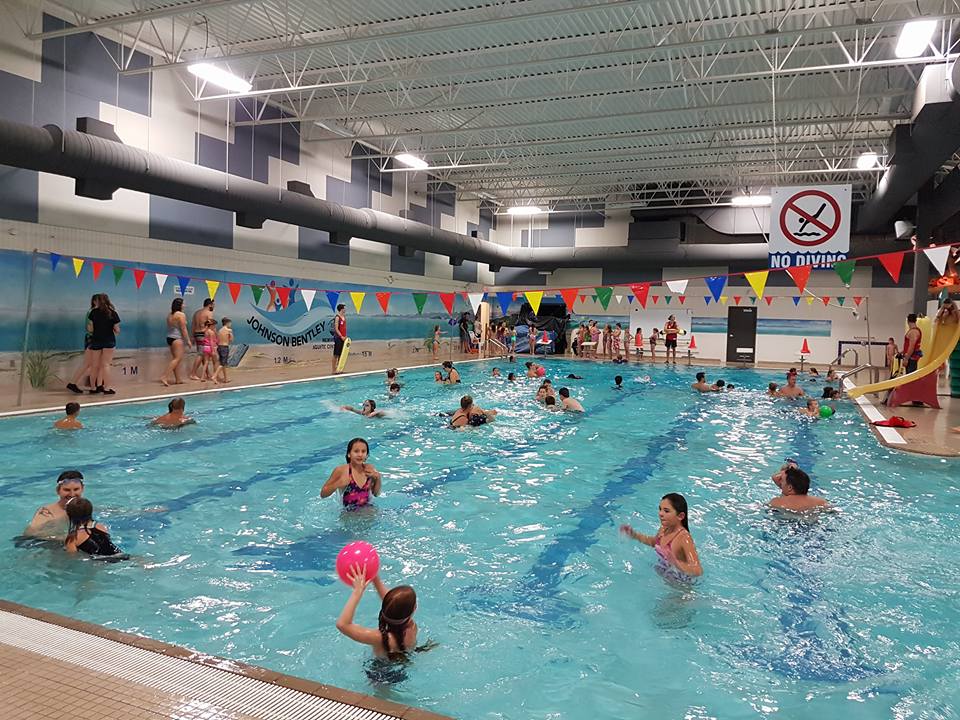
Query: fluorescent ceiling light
(751, 200)
(524, 210)
(914, 38)
(219, 77)
(411, 161)
(867, 161)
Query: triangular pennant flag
(826, 300)
(753, 300)
(707, 299)
(514, 296)
(308, 296)
(737, 299)
(54, 260)
(384, 299)
(668, 298)
(603, 295)
(284, 294)
(892, 263)
(682, 299)
(257, 291)
(767, 299)
(138, 276)
(77, 266)
(161, 281)
(569, 297)
(655, 298)
(630, 299)
(845, 269)
(505, 298)
(184, 281)
(938, 258)
(716, 283)
(677, 286)
(357, 298)
(857, 299)
(475, 299)
(212, 287)
(618, 298)
(234, 291)
(841, 299)
(757, 280)
(583, 298)
(420, 299)
(118, 273)
(447, 300)
(810, 299)
(534, 297)
(334, 299)
(944, 294)
(796, 299)
(723, 299)
(641, 291)
(800, 275)
(97, 269)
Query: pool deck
(55, 667)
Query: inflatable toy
(826, 411)
(357, 553)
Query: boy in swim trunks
(224, 338)
(568, 403)
(175, 416)
(70, 422)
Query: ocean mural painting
(768, 326)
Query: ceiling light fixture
(411, 161)
(751, 201)
(219, 77)
(914, 38)
(525, 210)
(867, 161)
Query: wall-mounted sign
(809, 225)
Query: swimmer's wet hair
(772, 386)
(564, 392)
(466, 401)
(701, 376)
(511, 376)
(373, 404)
(395, 386)
(447, 364)
(72, 408)
(720, 383)
(70, 476)
(549, 400)
(618, 379)
(679, 503)
(353, 442)
(176, 404)
(797, 479)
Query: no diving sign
(809, 225)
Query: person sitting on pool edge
(175, 416)
(569, 404)
(452, 377)
(88, 536)
(69, 421)
(673, 542)
(344, 477)
(794, 486)
(368, 409)
(51, 521)
(470, 414)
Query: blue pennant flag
(505, 298)
(184, 281)
(54, 259)
(630, 299)
(796, 299)
(716, 283)
(706, 299)
(333, 298)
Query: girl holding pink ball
(396, 632)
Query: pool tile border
(291, 682)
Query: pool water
(509, 533)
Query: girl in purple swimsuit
(672, 543)
(356, 480)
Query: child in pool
(672, 542)
(86, 535)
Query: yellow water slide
(943, 339)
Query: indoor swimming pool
(509, 533)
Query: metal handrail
(497, 344)
(861, 368)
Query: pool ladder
(860, 368)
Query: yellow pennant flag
(357, 298)
(723, 299)
(758, 281)
(212, 286)
(810, 299)
(534, 297)
(77, 266)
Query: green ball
(826, 411)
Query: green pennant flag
(844, 269)
(420, 299)
(603, 295)
(842, 299)
(257, 291)
(668, 298)
(593, 297)
(117, 274)
(753, 300)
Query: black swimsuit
(98, 543)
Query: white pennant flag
(308, 297)
(619, 298)
(475, 300)
(161, 281)
(678, 287)
(938, 257)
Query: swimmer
(791, 390)
(344, 477)
(511, 377)
(643, 379)
(394, 390)
(437, 377)
(620, 360)
(571, 376)
(496, 372)
(701, 384)
(672, 542)
(813, 371)
(550, 403)
(794, 488)
(470, 414)
(453, 376)
(618, 382)
(568, 403)
(779, 476)
(830, 393)
(69, 421)
(392, 376)
(51, 521)
(532, 369)
(368, 409)
(812, 409)
(773, 390)
(86, 535)
(832, 375)
(175, 417)
(719, 385)
(396, 634)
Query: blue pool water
(509, 534)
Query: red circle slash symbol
(811, 228)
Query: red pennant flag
(234, 291)
(569, 297)
(640, 292)
(800, 275)
(284, 293)
(826, 300)
(655, 298)
(384, 299)
(893, 263)
(583, 298)
(138, 276)
(515, 296)
(805, 350)
(767, 299)
(447, 300)
(683, 299)
(737, 299)
(97, 268)
(857, 299)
